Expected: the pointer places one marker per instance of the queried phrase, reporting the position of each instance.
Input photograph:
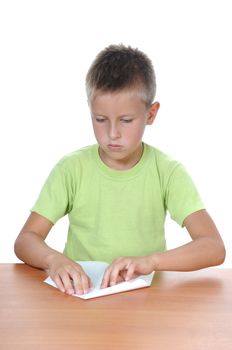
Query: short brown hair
(119, 67)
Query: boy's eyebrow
(119, 116)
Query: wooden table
(189, 310)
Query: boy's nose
(114, 132)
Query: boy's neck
(125, 163)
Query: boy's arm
(206, 249)
(31, 248)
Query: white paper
(95, 270)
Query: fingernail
(112, 284)
(70, 291)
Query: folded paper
(95, 270)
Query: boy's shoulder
(168, 169)
(163, 161)
(77, 156)
(75, 162)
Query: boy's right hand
(68, 276)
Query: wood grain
(181, 310)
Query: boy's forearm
(32, 249)
(199, 253)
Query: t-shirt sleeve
(56, 197)
(182, 197)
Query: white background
(46, 49)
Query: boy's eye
(127, 120)
(100, 120)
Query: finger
(86, 283)
(59, 283)
(121, 277)
(130, 272)
(81, 282)
(90, 283)
(77, 284)
(68, 283)
(105, 279)
(114, 275)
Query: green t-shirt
(116, 213)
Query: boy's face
(119, 120)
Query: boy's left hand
(126, 268)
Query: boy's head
(119, 68)
(120, 87)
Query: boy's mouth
(114, 147)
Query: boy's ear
(152, 112)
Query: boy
(117, 192)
